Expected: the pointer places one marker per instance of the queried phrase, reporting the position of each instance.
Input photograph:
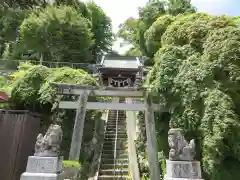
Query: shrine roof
(124, 62)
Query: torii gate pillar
(78, 127)
(151, 139)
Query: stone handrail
(115, 147)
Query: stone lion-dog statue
(49, 145)
(180, 149)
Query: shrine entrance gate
(83, 92)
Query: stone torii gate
(83, 91)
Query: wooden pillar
(151, 139)
(78, 127)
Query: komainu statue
(180, 150)
(49, 145)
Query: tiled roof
(130, 63)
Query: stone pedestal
(183, 170)
(43, 168)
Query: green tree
(10, 20)
(113, 53)
(30, 86)
(79, 5)
(132, 30)
(101, 29)
(24, 3)
(59, 31)
(196, 73)
(140, 32)
(175, 7)
(3, 81)
(31, 89)
(128, 30)
(154, 34)
(134, 51)
(148, 15)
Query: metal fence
(18, 132)
(11, 65)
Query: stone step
(122, 156)
(113, 139)
(106, 161)
(114, 129)
(121, 161)
(111, 161)
(109, 146)
(109, 143)
(112, 117)
(112, 172)
(113, 124)
(119, 136)
(112, 114)
(118, 160)
(106, 151)
(114, 133)
(120, 145)
(112, 120)
(111, 166)
(112, 149)
(109, 150)
(120, 121)
(118, 156)
(107, 166)
(116, 124)
(108, 156)
(113, 178)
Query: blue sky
(120, 10)
(230, 7)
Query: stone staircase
(115, 145)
